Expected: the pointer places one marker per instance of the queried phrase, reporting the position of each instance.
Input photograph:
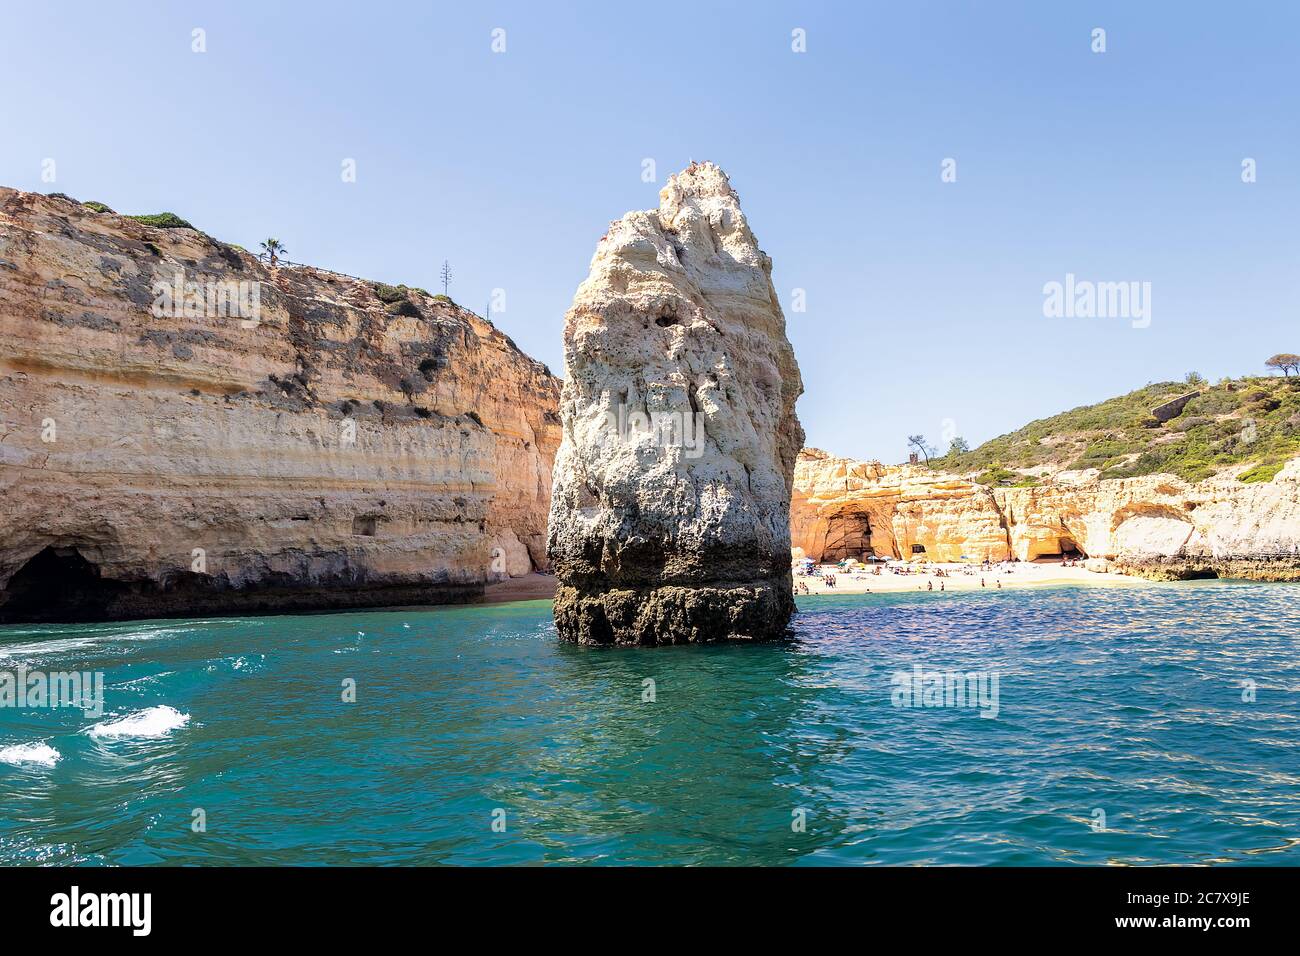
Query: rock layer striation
(352, 444)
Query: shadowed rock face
(671, 503)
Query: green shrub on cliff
(1261, 473)
(94, 206)
(163, 220)
(390, 293)
(998, 475)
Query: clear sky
(924, 298)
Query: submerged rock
(670, 515)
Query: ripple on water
(1124, 703)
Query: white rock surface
(670, 513)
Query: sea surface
(1133, 726)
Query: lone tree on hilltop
(958, 446)
(273, 249)
(1287, 362)
(918, 442)
(445, 276)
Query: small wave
(153, 722)
(39, 753)
(81, 640)
(250, 663)
(44, 642)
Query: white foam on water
(153, 722)
(244, 662)
(38, 753)
(33, 651)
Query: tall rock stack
(670, 515)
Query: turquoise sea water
(1126, 701)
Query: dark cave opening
(57, 584)
(847, 536)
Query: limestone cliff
(1155, 526)
(348, 444)
(670, 520)
(842, 508)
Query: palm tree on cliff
(274, 250)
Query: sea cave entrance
(58, 584)
(848, 535)
(1064, 549)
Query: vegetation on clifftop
(163, 220)
(997, 475)
(390, 293)
(1248, 421)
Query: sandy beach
(534, 587)
(530, 587)
(958, 577)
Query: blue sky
(924, 298)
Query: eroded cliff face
(336, 450)
(670, 519)
(1159, 526)
(1155, 526)
(839, 503)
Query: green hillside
(1238, 422)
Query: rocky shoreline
(1278, 570)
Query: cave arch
(848, 535)
(1061, 546)
(57, 584)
